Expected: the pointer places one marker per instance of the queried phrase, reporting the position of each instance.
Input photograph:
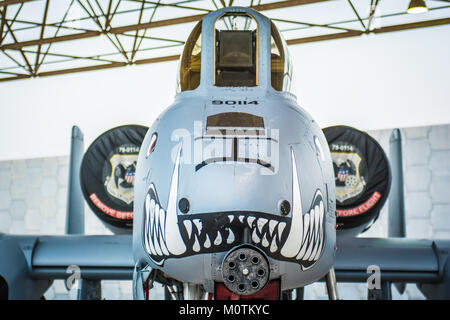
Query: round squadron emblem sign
(362, 176)
(350, 171)
(107, 175)
(119, 171)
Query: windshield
(236, 57)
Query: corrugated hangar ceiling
(50, 37)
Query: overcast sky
(400, 79)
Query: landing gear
(193, 291)
(144, 279)
(330, 279)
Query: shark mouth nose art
(298, 238)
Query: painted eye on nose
(152, 145)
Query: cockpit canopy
(236, 57)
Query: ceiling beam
(82, 69)
(284, 4)
(157, 24)
(153, 24)
(413, 25)
(15, 78)
(340, 35)
(400, 27)
(158, 59)
(76, 36)
(92, 68)
(324, 37)
(5, 3)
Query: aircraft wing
(40, 259)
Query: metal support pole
(75, 201)
(396, 219)
(89, 289)
(396, 225)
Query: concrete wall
(33, 201)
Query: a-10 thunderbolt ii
(238, 193)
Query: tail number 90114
(234, 102)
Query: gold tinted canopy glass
(280, 64)
(190, 65)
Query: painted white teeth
(304, 240)
(255, 237)
(312, 231)
(319, 250)
(314, 250)
(294, 240)
(151, 226)
(301, 253)
(317, 215)
(305, 228)
(147, 227)
(163, 244)
(261, 223)
(265, 242)
(230, 238)
(315, 243)
(155, 238)
(198, 224)
(321, 208)
(308, 252)
(218, 239)
(160, 227)
(188, 226)
(147, 204)
(156, 218)
(317, 232)
(156, 230)
(207, 243)
(162, 222)
(272, 226)
(175, 242)
(281, 227)
(305, 237)
(316, 253)
(152, 205)
(273, 246)
(250, 221)
(196, 246)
